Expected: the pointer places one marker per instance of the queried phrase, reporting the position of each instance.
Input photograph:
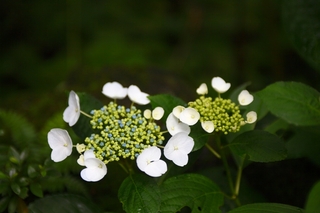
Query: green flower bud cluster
(121, 133)
(224, 114)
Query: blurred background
(51, 47)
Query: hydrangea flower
(177, 111)
(178, 148)
(245, 98)
(157, 113)
(174, 126)
(219, 85)
(202, 89)
(72, 113)
(149, 162)
(189, 116)
(114, 90)
(60, 143)
(208, 126)
(137, 96)
(251, 117)
(95, 170)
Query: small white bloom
(177, 111)
(80, 160)
(60, 143)
(251, 117)
(208, 126)
(189, 116)
(149, 162)
(219, 85)
(114, 90)
(137, 96)
(80, 148)
(147, 113)
(72, 113)
(95, 170)
(157, 113)
(202, 89)
(178, 148)
(245, 98)
(174, 125)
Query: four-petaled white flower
(95, 170)
(208, 126)
(137, 96)
(149, 162)
(189, 116)
(251, 117)
(157, 113)
(202, 89)
(72, 113)
(60, 143)
(219, 85)
(174, 126)
(114, 90)
(245, 98)
(178, 148)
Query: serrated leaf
(139, 193)
(192, 190)
(259, 146)
(267, 208)
(294, 102)
(313, 204)
(36, 189)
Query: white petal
(72, 113)
(147, 113)
(219, 85)
(60, 143)
(251, 117)
(137, 96)
(95, 170)
(80, 148)
(208, 126)
(147, 156)
(60, 154)
(89, 154)
(180, 159)
(177, 111)
(174, 126)
(245, 98)
(203, 89)
(80, 160)
(156, 168)
(189, 116)
(114, 90)
(157, 113)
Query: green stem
(214, 152)
(82, 112)
(238, 180)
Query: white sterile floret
(174, 126)
(60, 143)
(137, 96)
(95, 170)
(177, 111)
(251, 117)
(202, 89)
(147, 113)
(189, 116)
(157, 113)
(114, 90)
(208, 126)
(72, 113)
(149, 162)
(178, 148)
(219, 85)
(80, 148)
(245, 98)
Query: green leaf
(259, 145)
(14, 155)
(199, 136)
(313, 204)
(3, 176)
(4, 203)
(139, 193)
(64, 203)
(32, 171)
(294, 102)
(267, 208)
(192, 190)
(16, 188)
(36, 189)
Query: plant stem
(89, 116)
(214, 152)
(238, 180)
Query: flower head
(189, 116)
(95, 170)
(174, 126)
(137, 96)
(208, 126)
(72, 113)
(220, 85)
(202, 89)
(114, 90)
(245, 98)
(251, 117)
(60, 143)
(178, 148)
(157, 113)
(149, 162)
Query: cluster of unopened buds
(120, 133)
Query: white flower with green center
(60, 143)
(72, 113)
(95, 170)
(219, 85)
(149, 162)
(147, 113)
(189, 116)
(202, 89)
(177, 111)
(157, 113)
(178, 148)
(114, 90)
(137, 96)
(208, 126)
(251, 117)
(245, 98)
(174, 126)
